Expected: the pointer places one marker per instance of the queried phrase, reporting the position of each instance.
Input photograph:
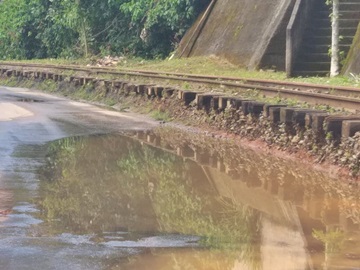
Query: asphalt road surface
(28, 120)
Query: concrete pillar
(256, 108)
(214, 103)
(150, 91)
(43, 75)
(268, 106)
(159, 91)
(203, 101)
(187, 96)
(49, 76)
(9, 73)
(58, 77)
(82, 81)
(76, 81)
(286, 115)
(274, 114)
(223, 102)
(129, 88)
(334, 124)
(300, 114)
(150, 138)
(141, 88)
(349, 128)
(116, 85)
(141, 135)
(90, 80)
(317, 121)
(236, 103)
(168, 92)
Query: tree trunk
(335, 61)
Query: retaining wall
(278, 124)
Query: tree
(80, 28)
(162, 23)
(12, 21)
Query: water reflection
(226, 207)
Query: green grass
(219, 67)
(52, 61)
(160, 116)
(203, 65)
(207, 66)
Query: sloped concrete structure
(352, 63)
(291, 35)
(250, 33)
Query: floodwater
(136, 201)
(72, 198)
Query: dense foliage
(79, 28)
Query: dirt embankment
(256, 131)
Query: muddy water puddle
(160, 201)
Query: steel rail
(302, 91)
(182, 76)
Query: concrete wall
(241, 31)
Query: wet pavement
(28, 120)
(86, 188)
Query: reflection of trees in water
(106, 183)
(85, 191)
(180, 207)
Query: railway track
(117, 81)
(334, 96)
